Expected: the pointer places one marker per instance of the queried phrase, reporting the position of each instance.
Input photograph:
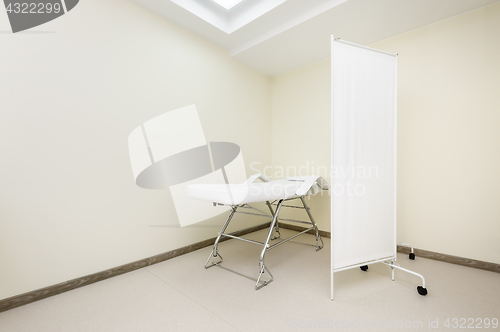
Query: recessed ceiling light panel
(227, 4)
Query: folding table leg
(215, 252)
(262, 266)
(318, 238)
(277, 226)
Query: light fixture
(227, 4)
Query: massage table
(274, 193)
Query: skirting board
(39, 294)
(493, 267)
(26, 298)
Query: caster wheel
(364, 268)
(421, 290)
(412, 256)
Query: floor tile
(136, 301)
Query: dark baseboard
(39, 294)
(469, 262)
(29, 297)
(493, 267)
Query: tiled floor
(180, 295)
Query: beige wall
(301, 130)
(449, 121)
(71, 91)
(448, 132)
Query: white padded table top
(233, 194)
(250, 192)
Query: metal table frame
(266, 246)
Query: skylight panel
(227, 4)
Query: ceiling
(278, 36)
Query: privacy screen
(364, 154)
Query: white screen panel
(364, 154)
